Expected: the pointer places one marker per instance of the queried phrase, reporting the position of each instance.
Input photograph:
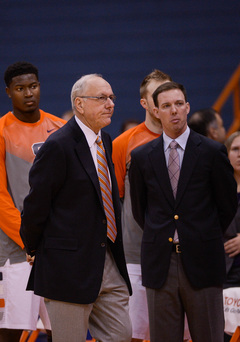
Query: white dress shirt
(182, 142)
(91, 140)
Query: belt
(176, 248)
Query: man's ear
(78, 102)
(156, 112)
(212, 133)
(143, 103)
(8, 92)
(188, 106)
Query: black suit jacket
(64, 220)
(230, 233)
(205, 204)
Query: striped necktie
(174, 166)
(106, 190)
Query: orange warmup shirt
(19, 143)
(122, 148)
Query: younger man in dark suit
(71, 223)
(184, 197)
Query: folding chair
(236, 335)
(29, 336)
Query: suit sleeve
(137, 191)
(45, 178)
(225, 188)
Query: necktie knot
(99, 140)
(173, 144)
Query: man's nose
(109, 102)
(28, 92)
(174, 109)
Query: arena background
(196, 42)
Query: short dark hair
(168, 86)
(19, 68)
(202, 119)
(156, 75)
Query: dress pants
(107, 318)
(167, 307)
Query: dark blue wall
(196, 42)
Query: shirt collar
(181, 140)
(89, 134)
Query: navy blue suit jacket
(205, 204)
(63, 219)
(230, 233)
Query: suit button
(103, 244)
(104, 221)
(176, 217)
(170, 239)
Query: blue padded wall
(196, 42)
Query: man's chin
(107, 122)
(30, 110)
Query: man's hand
(30, 259)
(232, 246)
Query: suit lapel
(190, 158)
(158, 161)
(85, 157)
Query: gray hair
(80, 86)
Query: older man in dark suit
(71, 224)
(184, 197)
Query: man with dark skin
(22, 132)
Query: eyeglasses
(102, 98)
